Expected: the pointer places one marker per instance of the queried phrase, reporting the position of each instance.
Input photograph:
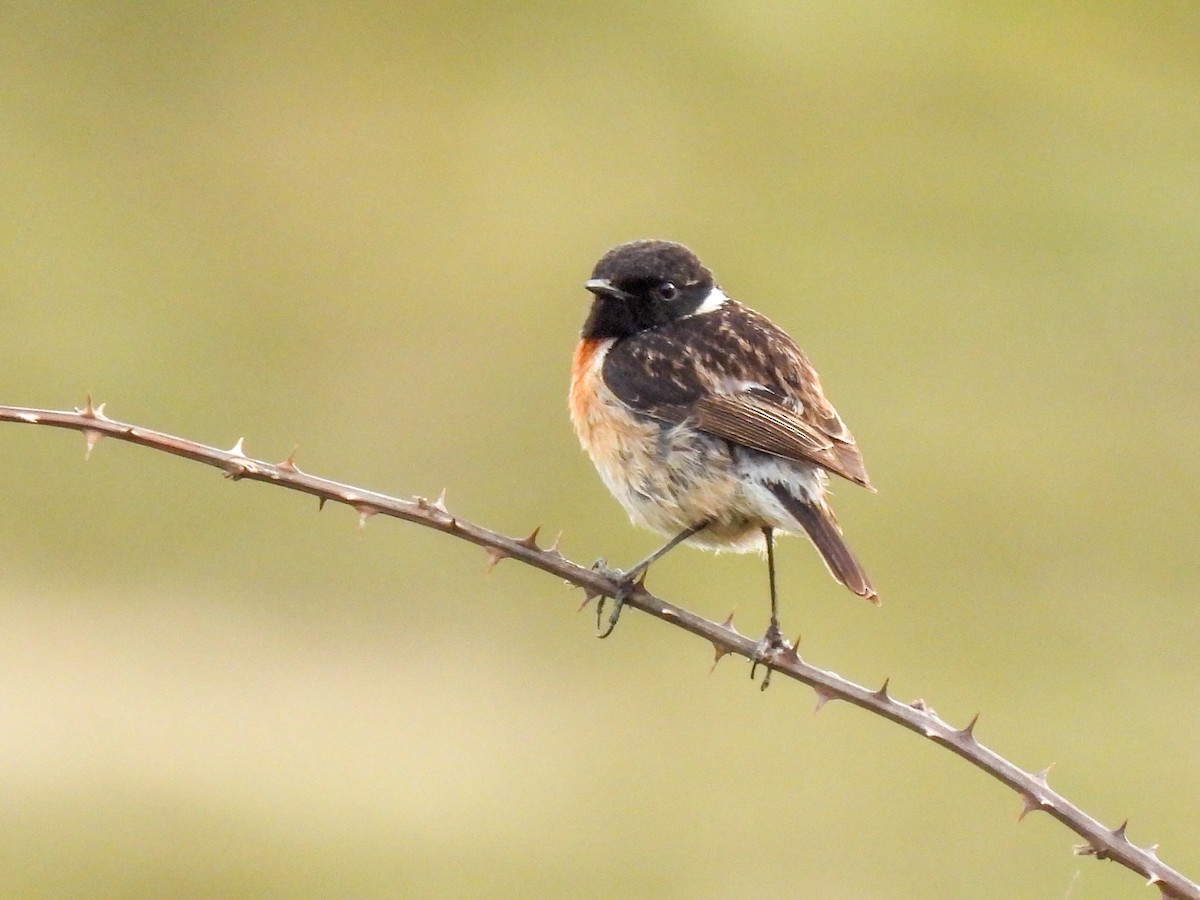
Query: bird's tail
(822, 529)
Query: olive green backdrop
(364, 228)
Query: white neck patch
(715, 300)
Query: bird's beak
(602, 287)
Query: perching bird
(704, 419)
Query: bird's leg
(627, 580)
(773, 635)
(773, 639)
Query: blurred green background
(364, 228)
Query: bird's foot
(626, 582)
(770, 645)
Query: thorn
(1044, 775)
(720, 652)
(1083, 849)
(1029, 804)
(530, 540)
(364, 512)
(440, 503)
(31, 418)
(1153, 850)
(93, 412)
(236, 449)
(968, 733)
(494, 555)
(1119, 831)
(882, 694)
(1155, 881)
(92, 438)
(823, 697)
(588, 596)
(289, 464)
(553, 550)
(321, 503)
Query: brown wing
(755, 421)
(737, 376)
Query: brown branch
(1035, 793)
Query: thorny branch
(1032, 788)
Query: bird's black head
(645, 284)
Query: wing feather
(762, 424)
(735, 375)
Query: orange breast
(585, 377)
(605, 428)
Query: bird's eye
(668, 291)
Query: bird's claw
(625, 584)
(771, 643)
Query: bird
(705, 420)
